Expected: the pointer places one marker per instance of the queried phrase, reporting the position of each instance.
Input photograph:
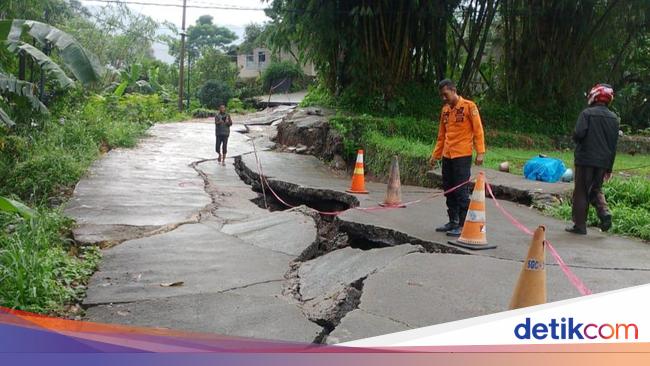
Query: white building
(252, 65)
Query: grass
(637, 164)
(41, 268)
(629, 202)
(628, 193)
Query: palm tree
(76, 59)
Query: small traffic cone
(358, 178)
(394, 190)
(531, 286)
(473, 234)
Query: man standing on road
(596, 136)
(222, 123)
(460, 129)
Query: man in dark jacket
(222, 123)
(596, 136)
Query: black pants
(454, 172)
(222, 144)
(588, 189)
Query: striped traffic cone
(358, 178)
(531, 286)
(473, 234)
(394, 188)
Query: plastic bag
(544, 169)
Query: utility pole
(182, 65)
(189, 76)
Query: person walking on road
(222, 123)
(596, 137)
(460, 130)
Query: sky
(235, 20)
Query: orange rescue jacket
(460, 128)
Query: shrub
(213, 93)
(248, 88)
(36, 271)
(235, 105)
(277, 71)
(318, 95)
(39, 269)
(41, 164)
(203, 113)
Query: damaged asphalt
(166, 213)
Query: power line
(215, 6)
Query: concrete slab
(598, 250)
(287, 232)
(204, 259)
(232, 314)
(325, 274)
(283, 98)
(513, 187)
(425, 289)
(359, 324)
(267, 116)
(150, 185)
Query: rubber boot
(605, 221)
(451, 225)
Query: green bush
(248, 88)
(421, 101)
(235, 105)
(318, 95)
(36, 271)
(497, 115)
(39, 164)
(213, 93)
(203, 113)
(277, 71)
(40, 270)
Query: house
(252, 65)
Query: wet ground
(191, 245)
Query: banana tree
(128, 77)
(76, 59)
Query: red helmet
(601, 93)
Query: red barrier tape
(371, 208)
(575, 281)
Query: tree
(76, 59)
(215, 65)
(371, 47)
(253, 37)
(116, 34)
(550, 49)
(205, 34)
(213, 93)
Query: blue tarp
(544, 169)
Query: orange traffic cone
(473, 234)
(531, 286)
(358, 178)
(394, 190)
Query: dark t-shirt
(596, 137)
(222, 123)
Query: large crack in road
(261, 270)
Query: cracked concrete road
(421, 289)
(168, 216)
(187, 246)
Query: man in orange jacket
(460, 130)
